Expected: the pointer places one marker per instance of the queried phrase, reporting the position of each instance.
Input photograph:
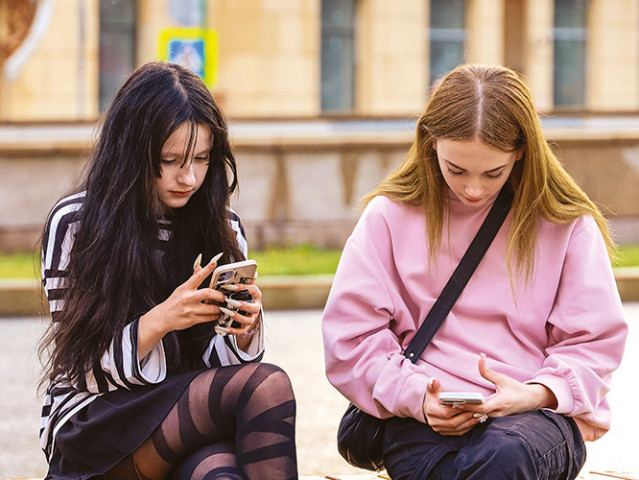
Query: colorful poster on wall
(194, 48)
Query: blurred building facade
(322, 94)
(62, 60)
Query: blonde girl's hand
(511, 396)
(443, 419)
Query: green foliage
(302, 260)
(19, 265)
(628, 256)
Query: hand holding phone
(454, 399)
(238, 273)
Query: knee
(223, 476)
(267, 369)
(218, 473)
(503, 455)
(271, 381)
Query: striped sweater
(119, 366)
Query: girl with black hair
(140, 385)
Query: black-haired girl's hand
(243, 306)
(188, 305)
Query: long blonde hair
(491, 104)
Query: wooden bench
(606, 475)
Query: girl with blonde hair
(538, 329)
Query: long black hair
(115, 270)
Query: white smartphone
(460, 398)
(234, 273)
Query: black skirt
(111, 427)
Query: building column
(391, 43)
(538, 51)
(612, 75)
(485, 32)
(152, 17)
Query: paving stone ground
(294, 343)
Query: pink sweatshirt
(565, 329)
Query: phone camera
(225, 277)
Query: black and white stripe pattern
(119, 366)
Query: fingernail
(430, 381)
(481, 416)
(230, 286)
(198, 261)
(221, 330)
(232, 302)
(482, 355)
(216, 258)
(228, 312)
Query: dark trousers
(539, 445)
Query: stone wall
(606, 165)
(307, 189)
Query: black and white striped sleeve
(57, 243)
(224, 350)
(119, 366)
(238, 228)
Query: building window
(117, 46)
(338, 55)
(570, 53)
(447, 36)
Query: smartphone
(234, 273)
(237, 273)
(460, 398)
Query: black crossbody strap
(461, 275)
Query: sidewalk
(293, 342)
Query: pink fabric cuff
(411, 397)
(560, 387)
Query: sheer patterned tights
(234, 422)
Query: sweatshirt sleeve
(364, 358)
(586, 331)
